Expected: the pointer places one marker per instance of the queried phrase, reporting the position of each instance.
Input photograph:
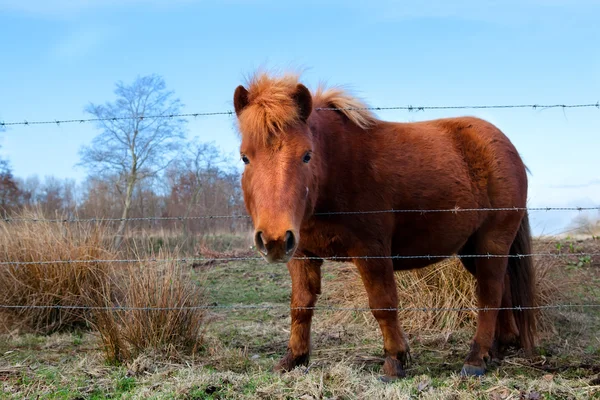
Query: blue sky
(59, 55)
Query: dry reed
(50, 284)
(444, 285)
(166, 285)
(42, 290)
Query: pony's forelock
(271, 107)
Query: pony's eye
(245, 159)
(306, 157)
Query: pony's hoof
(289, 362)
(394, 368)
(472, 370)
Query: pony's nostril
(290, 242)
(260, 242)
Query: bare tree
(139, 137)
(203, 182)
(202, 161)
(10, 193)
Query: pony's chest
(326, 239)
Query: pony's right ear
(240, 99)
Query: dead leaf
(548, 377)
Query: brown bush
(42, 290)
(52, 283)
(444, 285)
(176, 326)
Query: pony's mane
(354, 109)
(271, 106)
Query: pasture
(282, 200)
(238, 348)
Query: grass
(240, 347)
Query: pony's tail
(521, 274)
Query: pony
(322, 177)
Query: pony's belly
(424, 245)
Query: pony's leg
(378, 278)
(491, 274)
(506, 329)
(507, 332)
(306, 285)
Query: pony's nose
(290, 242)
(259, 240)
(278, 249)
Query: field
(240, 347)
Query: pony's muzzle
(279, 250)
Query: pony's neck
(334, 145)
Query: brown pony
(304, 162)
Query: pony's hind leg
(506, 331)
(490, 273)
(306, 285)
(378, 278)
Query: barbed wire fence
(408, 108)
(432, 257)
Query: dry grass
(165, 285)
(243, 346)
(83, 374)
(51, 284)
(81, 283)
(444, 285)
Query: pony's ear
(303, 100)
(240, 99)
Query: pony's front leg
(306, 285)
(378, 278)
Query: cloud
(80, 42)
(69, 8)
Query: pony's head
(283, 161)
(279, 181)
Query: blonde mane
(350, 106)
(271, 106)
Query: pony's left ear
(240, 99)
(303, 100)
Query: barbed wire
(409, 108)
(331, 258)
(140, 118)
(465, 107)
(284, 307)
(243, 216)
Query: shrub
(178, 323)
(444, 285)
(28, 283)
(50, 265)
